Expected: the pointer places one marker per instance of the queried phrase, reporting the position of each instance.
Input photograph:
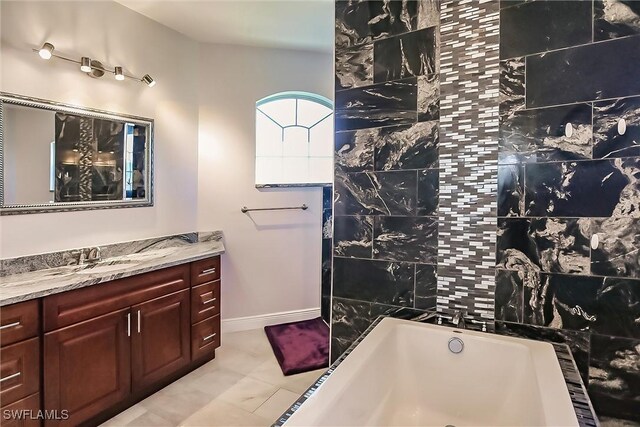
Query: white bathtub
(403, 374)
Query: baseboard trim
(238, 324)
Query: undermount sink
(100, 269)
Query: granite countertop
(34, 284)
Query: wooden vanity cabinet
(87, 367)
(98, 360)
(205, 308)
(94, 351)
(20, 360)
(160, 340)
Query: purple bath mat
(300, 346)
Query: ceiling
(291, 24)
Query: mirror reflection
(55, 156)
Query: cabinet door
(87, 367)
(22, 413)
(160, 338)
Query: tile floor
(242, 386)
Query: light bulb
(118, 73)
(46, 51)
(85, 64)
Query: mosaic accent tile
(468, 152)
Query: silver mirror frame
(75, 206)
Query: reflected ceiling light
(85, 64)
(46, 51)
(118, 72)
(148, 80)
(93, 68)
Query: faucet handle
(94, 254)
(79, 256)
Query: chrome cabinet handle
(209, 270)
(17, 374)
(208, 337)
(10, 325)
(139, 321)
(209, 301)
(128, 324)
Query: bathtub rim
(585, 413)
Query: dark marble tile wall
(385, 233)
(568, 243)
(327, 236)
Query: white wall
(273, 258)
(110, 32)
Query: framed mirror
(57, 157)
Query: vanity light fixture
(85, 64)
(46, 51)
(118, 72)
(92, 67)
(148, 80)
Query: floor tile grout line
(262, 404)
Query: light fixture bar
(47, 52)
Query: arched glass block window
(294, 140)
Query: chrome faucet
(458, 319)
(79, 255)
(87, 255)
(94, 254)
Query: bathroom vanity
(86, 354)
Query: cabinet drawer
(19, 370)
(205, 301)
(19, 322)
(205, 270)
(76, 306)
(27, 408)
(205, 338)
